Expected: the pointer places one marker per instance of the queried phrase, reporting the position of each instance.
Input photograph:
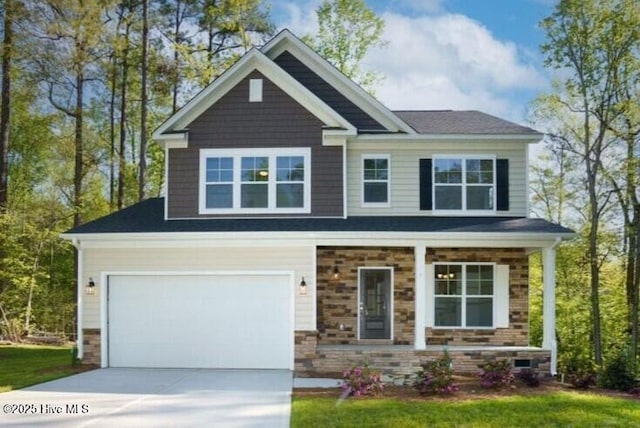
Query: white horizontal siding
(405, 182)
(299, 260)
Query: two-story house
(305, 226)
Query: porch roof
(148, 217)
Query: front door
(375, 303)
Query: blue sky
(450, 54)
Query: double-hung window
(255, 181)
(375, 180)
(464, 295)
(464, 183)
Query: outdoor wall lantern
(90, 287)
(336, 272)
(303, 286)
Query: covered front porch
(413, 337)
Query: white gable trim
(285, 40)
(253, 60)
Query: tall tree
(347, 30)
(589, 40)
(5, 106)
(142, 169)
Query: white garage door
(208, 321)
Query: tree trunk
(143, 106)
(176, 58)
(635, 291)
(112, 136)
(6, 103)
(79, 150)
(123, 121)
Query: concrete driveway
(154, 398)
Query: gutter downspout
(80, 303)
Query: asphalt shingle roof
(148, 217)
(460, 122)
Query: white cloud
(449, 62)
(430, 6)
(435, 60)
(300, 19)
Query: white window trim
(463, 319)
(391, 291)
(464, 209)
(388, 181)
(272, 154)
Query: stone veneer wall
(305, 350)
(91, 353)
(338, 298)
(405, 361)
(518, 332)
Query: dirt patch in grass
(469, 389)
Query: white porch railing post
(549, 305)
(420, 296)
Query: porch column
(549, 304)
(420, 297)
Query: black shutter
(502, 184)
(426, 185)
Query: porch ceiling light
(90, 288)
(303, 286)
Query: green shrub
(578, 369)
(619, 372)
(75, 361)
(529, 377)
(495, 374)
(436, 377)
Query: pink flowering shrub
(359, 381)
(436, 377)
(495, 374)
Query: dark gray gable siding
(234, 122)
(327, 93)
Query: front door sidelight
(375, 309)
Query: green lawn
(24, 365)
(557, 409)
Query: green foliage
(75, 361)
(495, 374)
(577, 368)
(347, 30)
(620, 371)
(436, 377)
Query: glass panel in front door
(375, 304)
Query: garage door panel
(216, 321)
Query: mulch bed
(469, 389)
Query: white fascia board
(520, 138)
(293, 239)
(178, 140)
(253, 60)
(374, 108)
(337, 137)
